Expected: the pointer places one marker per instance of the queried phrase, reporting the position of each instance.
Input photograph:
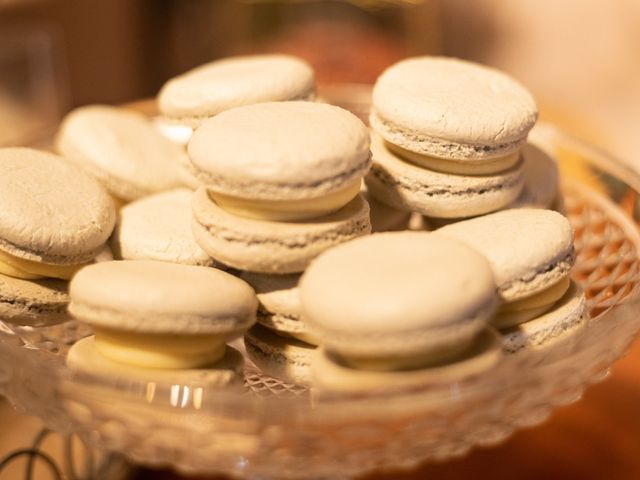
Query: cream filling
(287, 210)
(520, 311)
(457, 166)
(160, 351)
(29, 270)
(434, 356)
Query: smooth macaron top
(529, 249)
(122, 149)
(218, 86)
(396, 287)
(281, 150)
(51, 211)
(160, 297)
(427, 99)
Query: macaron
(554, 332)
(452, 115)
(406, 186)
(33, 302)
(206, 91)
(531, 253)
(279, 306)
(282, 184)
(121, 149)
(53, 217)
(161, 315)
(158, 227)
(393, 302)
(383, 217)
(541, 178)
(287, 359)
(273, 247)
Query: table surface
(596, 438)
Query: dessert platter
(255, 408)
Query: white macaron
(160, 316)
(393, 302)
(531, 253)
(210, 89)
(158, 227)
(121, 149)
(452, 109)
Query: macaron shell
(284, 358)
(391, 294)
(408, 187)
(541, 178)
(122, 149)
(273, 247)
(33, 303)
(528, 249)
(279, 301)
(158, 227)
(329, 374)
(159, 297)
(557, 326)
(85, 359)
(51, 212)
(218, 86)
(383, 217)
(451, 108)
(281, 150)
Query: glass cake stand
(271, 429)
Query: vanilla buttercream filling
(160, 351)
(430, 357)
(287, 210)
(520, 311)
(29, 270)
(457, 166)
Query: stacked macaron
(447, 137)
(186, 101)
(399, 308)
(160, 321)
(189, 99)
(281, 184)
(531, 253)
(122, 150)
(281, 345)
(54, 219)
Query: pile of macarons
(245, 208)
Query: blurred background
(581, 58)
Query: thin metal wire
(31, 453)
(69, 464)
(35, 446)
